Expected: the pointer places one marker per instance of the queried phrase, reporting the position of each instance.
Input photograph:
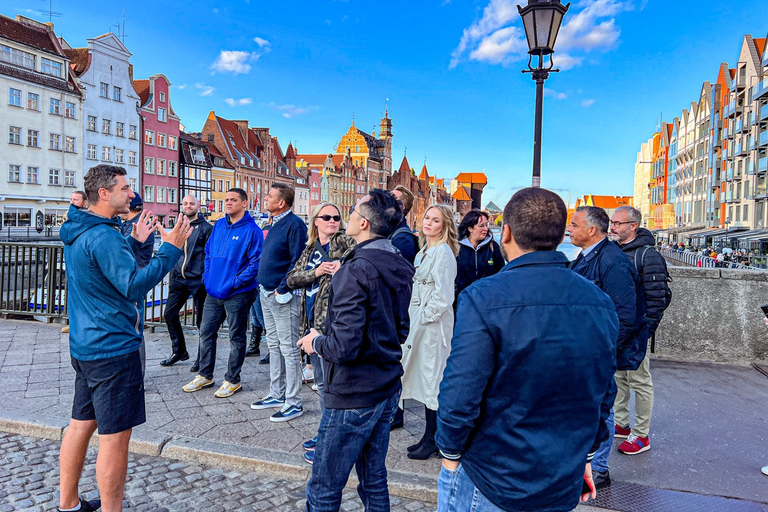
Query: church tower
(385, 134)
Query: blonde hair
(449, 235)
(312, 233)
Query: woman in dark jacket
(479, 254)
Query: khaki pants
(640, 382)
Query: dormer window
(17, 57)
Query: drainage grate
(625, 497)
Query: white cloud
(205, 90)
(587, 103)
(181, 87)
(238, 103)
(237, 62)
(498, 38)
(554, 94)
(261, 42)
(289, 111)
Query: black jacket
(189, 268)
(474, 263)
(142, 252)
(612, 272)
(654, 276)
(367, 322)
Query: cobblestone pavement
(29, 478)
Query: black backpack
(641, 265)
(401, 230)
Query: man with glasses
(603, 263)
(638, 245)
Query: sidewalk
(708, 433)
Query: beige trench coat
(426, 350)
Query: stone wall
(715, 315)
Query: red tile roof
(234, 140)
(28, 32)
(79, 60)
(424, 175)
(142, 89)
(312, 159)
(289, 152)
(404, 166)
(760, 46)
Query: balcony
(739, 82)
(728, 133)
(763, 113)
(751, 168)
(763, 141)
(760, 90)
(738, 126)
(761, 191)
(762, 165)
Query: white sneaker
(308, 374)
(765, 470)
(198, 383)
(227, 389)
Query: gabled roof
(472, 177)
(289, 152)
(404, 166)
(79, 60)
(214, 152)
(28, 32)
(142, 89)
(312, 159)
(233, 139)
(462, 194)
(424, 175)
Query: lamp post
(542, 20)
(727, 225)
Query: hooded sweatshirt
(473, 263)
(105, 286)
(232, 257)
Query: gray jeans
(281, 323)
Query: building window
(53, 176)
(14, 135)
(106, 126)
(69, 178)
(119, 156)
(70, 110)
(160, 140)
(33, 101)
(50, 67)
(117, 94)
(91, 123)
(221, 206)
(90, 153)
(162, 97)
(131, 158)
(33, 137)
(171, 195)
(160, 195)
(120, 129)
(149, 194)
(54, 142)
(172, 142)
(17, 217)
(17, 57)
(14, 97)
(161, 116)
(160, 168)
(171, 168)
(104, 90)
(33, 175)
(132, 131)
(106, 153)
(55, 108)
(221, 186)
(229, 186)
(69, 144)
(149, 165)
(14, 173)
(149, 137)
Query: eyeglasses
(352, 210)
(328, 218)
(617, 223)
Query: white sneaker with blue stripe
(268, 402)
(287, 413)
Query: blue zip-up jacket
(612, 272)
(528, 385)
(232, 257)
(105, 286)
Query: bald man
(187, 280)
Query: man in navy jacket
(232, 256)
(527, 387)
(603, 263)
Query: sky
(448, 71)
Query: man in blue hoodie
(232, 256)
(105, 292)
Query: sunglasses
(328, 218)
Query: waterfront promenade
(708, 432)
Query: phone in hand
(586, 488)
(764, 307)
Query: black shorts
(110, 391)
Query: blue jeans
(600, 461)
(257, 317)
(457, 493)
(346, 438)
(235, 309)
(317, 365)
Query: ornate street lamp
(542, 20)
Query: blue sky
(450, 68)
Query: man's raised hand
(179, 234)
(144, 227)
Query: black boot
(397, 421)
(253, 344)
(426, 447)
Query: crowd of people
(479, 331)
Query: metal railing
(695, 260)
(33, 283)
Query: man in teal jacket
(104, 294)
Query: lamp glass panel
(530, 28)
(543, 24)
(556, 21)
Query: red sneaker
(622, 432)
(634, 445)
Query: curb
(199, 451)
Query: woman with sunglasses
(312, 273)
(426, 350)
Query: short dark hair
(383, 212)
(98, 177)
(242, 193)
(82, 194)
(470, 220)
(595, 216)
(286, 193)
(407, 198)
(536, 217)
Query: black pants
(178, 293)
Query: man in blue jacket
(367, 322)
(281, 306)
(527, 386)
(232, 256)
(105, 292)
(603, 263)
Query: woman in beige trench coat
(429, 342)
